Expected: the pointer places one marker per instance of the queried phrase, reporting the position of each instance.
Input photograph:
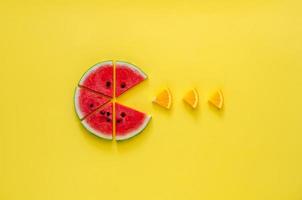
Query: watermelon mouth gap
(98, 93)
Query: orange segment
(164, 99)
(191, 98)
(217, 99)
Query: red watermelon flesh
(127, 76)
(87, 101)
(100, 122)
(99, 78)
(129, 122)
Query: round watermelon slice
(96, 90)
(100, 122)
(129, 122)
(127, 76)
(99, 78)
(87, 101)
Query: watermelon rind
(80, 114)
(135, 132)
(92, 69)
(96, 132)
(132, 66)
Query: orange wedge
(164, 99)
(217, 99)
(191, 98)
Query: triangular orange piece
(191, 98)
(217, 99)
(164, 99)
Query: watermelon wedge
(87, 101)
(127, 76)
(100, 122)
(129, 122)
(99, 78)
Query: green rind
(99, 136)
(74, 104)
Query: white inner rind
(77, 104)
(96, 132)
(136, 131)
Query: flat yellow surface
(252, 150)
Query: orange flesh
(163, 99)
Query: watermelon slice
(87, 101)
(100, 122)
(129, 122)
(127, 76)
(99, 78)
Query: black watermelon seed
(123, 114)
(108, 84)
(108, 113)
(123, 85)
(91, 105)
(108, 120)
(119, 120)
(102, 112)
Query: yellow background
(252, 150)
